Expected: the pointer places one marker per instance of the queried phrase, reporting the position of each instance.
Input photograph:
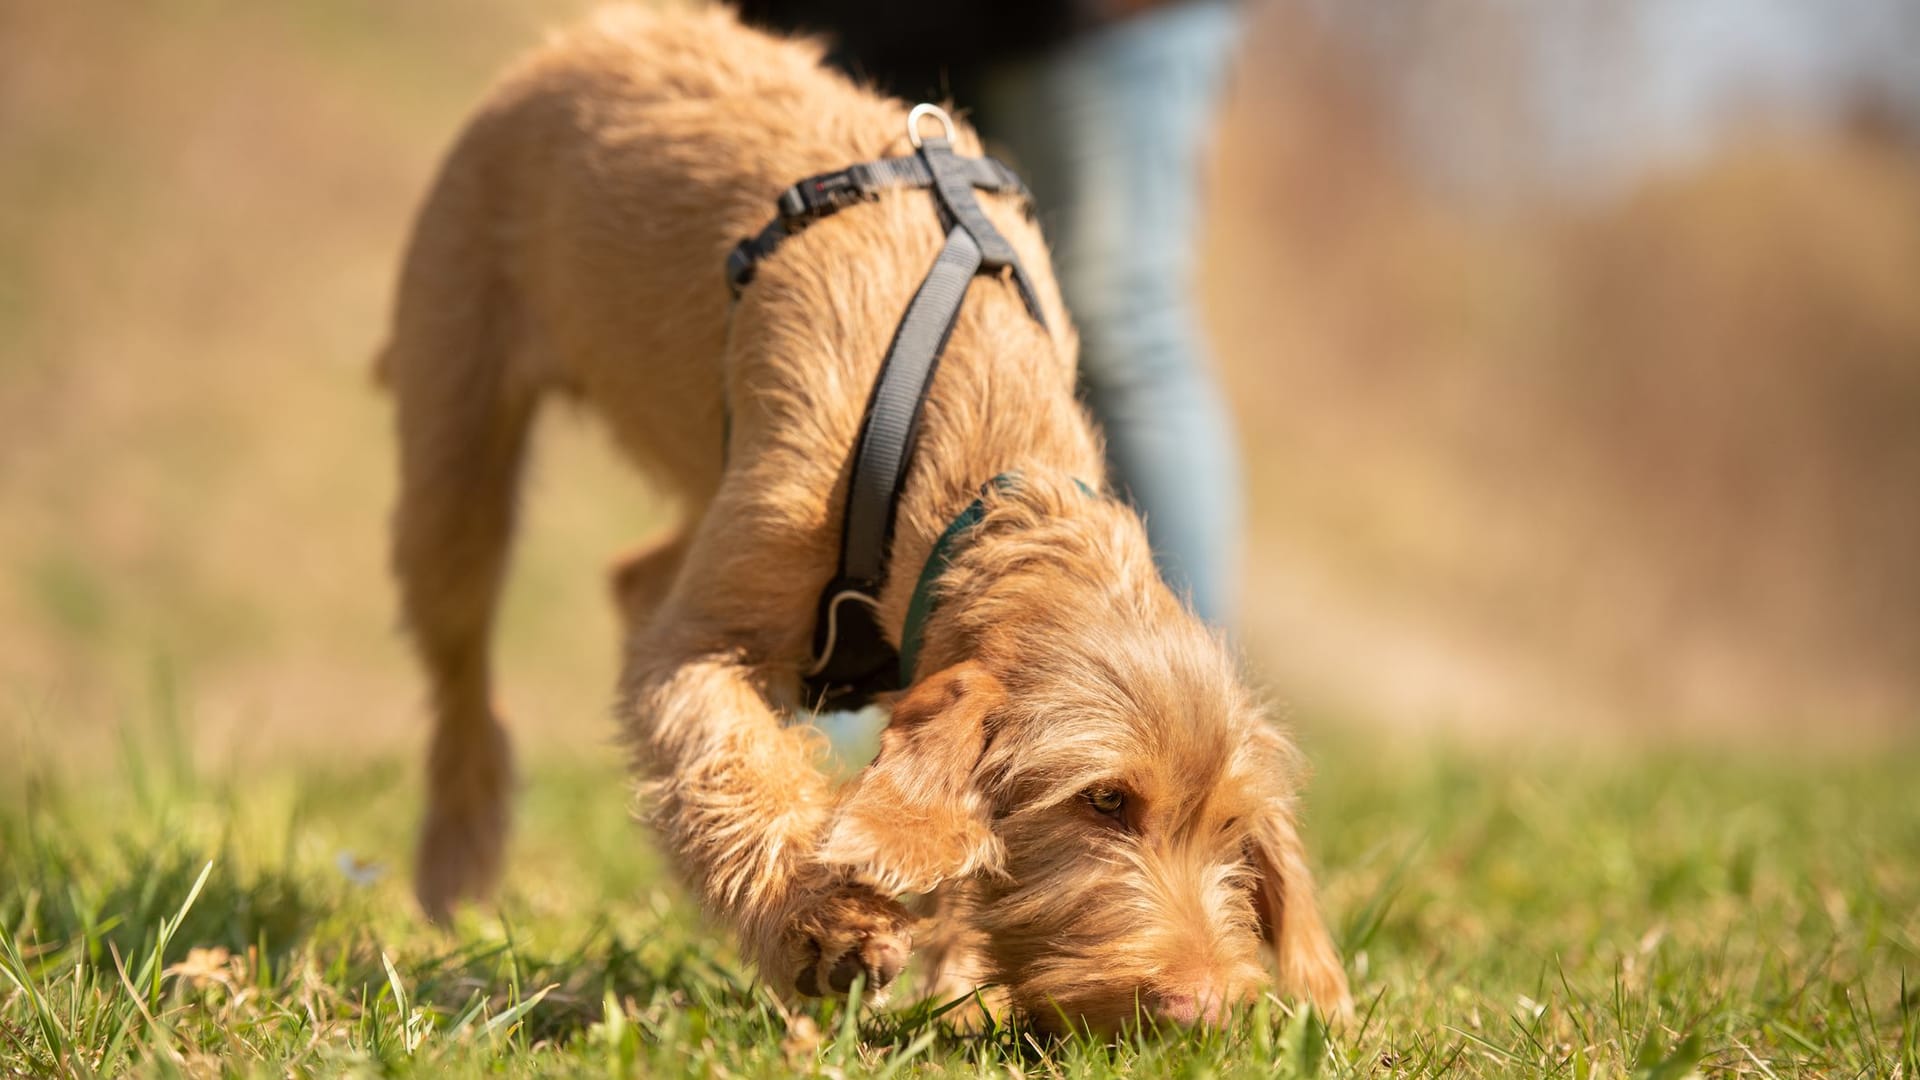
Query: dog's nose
(1199, 1004)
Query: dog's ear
(1289, 917)
(913, 818)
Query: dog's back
(583, 219)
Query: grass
(198, 230)
(1551, 914)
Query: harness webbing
(852, 659)
(925, 599)
(921, 607)
(818, 196)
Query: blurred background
(1575, 350)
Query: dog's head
(1118, 814)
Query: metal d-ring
(924, 109)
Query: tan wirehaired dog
(1076, 779)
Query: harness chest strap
(853, 660)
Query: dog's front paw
(846, 931)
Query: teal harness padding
(921, 607)
(924, 601)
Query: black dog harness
(852, 660)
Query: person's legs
(1109, 131)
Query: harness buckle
(792, 205)
(818, 196)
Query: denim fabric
(1109, 131)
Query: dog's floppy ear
(913, 818)
(1290, 919)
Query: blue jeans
(1109, 130)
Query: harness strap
(951, 184)
(852, 659)
(924, 601)
(886, 439)
(818, 196)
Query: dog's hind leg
(464, 414)
(460, 450)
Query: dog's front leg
(740, 801)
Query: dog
(1076, 783)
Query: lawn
(202, 861)
(1524, 913)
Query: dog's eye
(1107, 801)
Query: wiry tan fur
(573, 245)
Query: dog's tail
(464, 414)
